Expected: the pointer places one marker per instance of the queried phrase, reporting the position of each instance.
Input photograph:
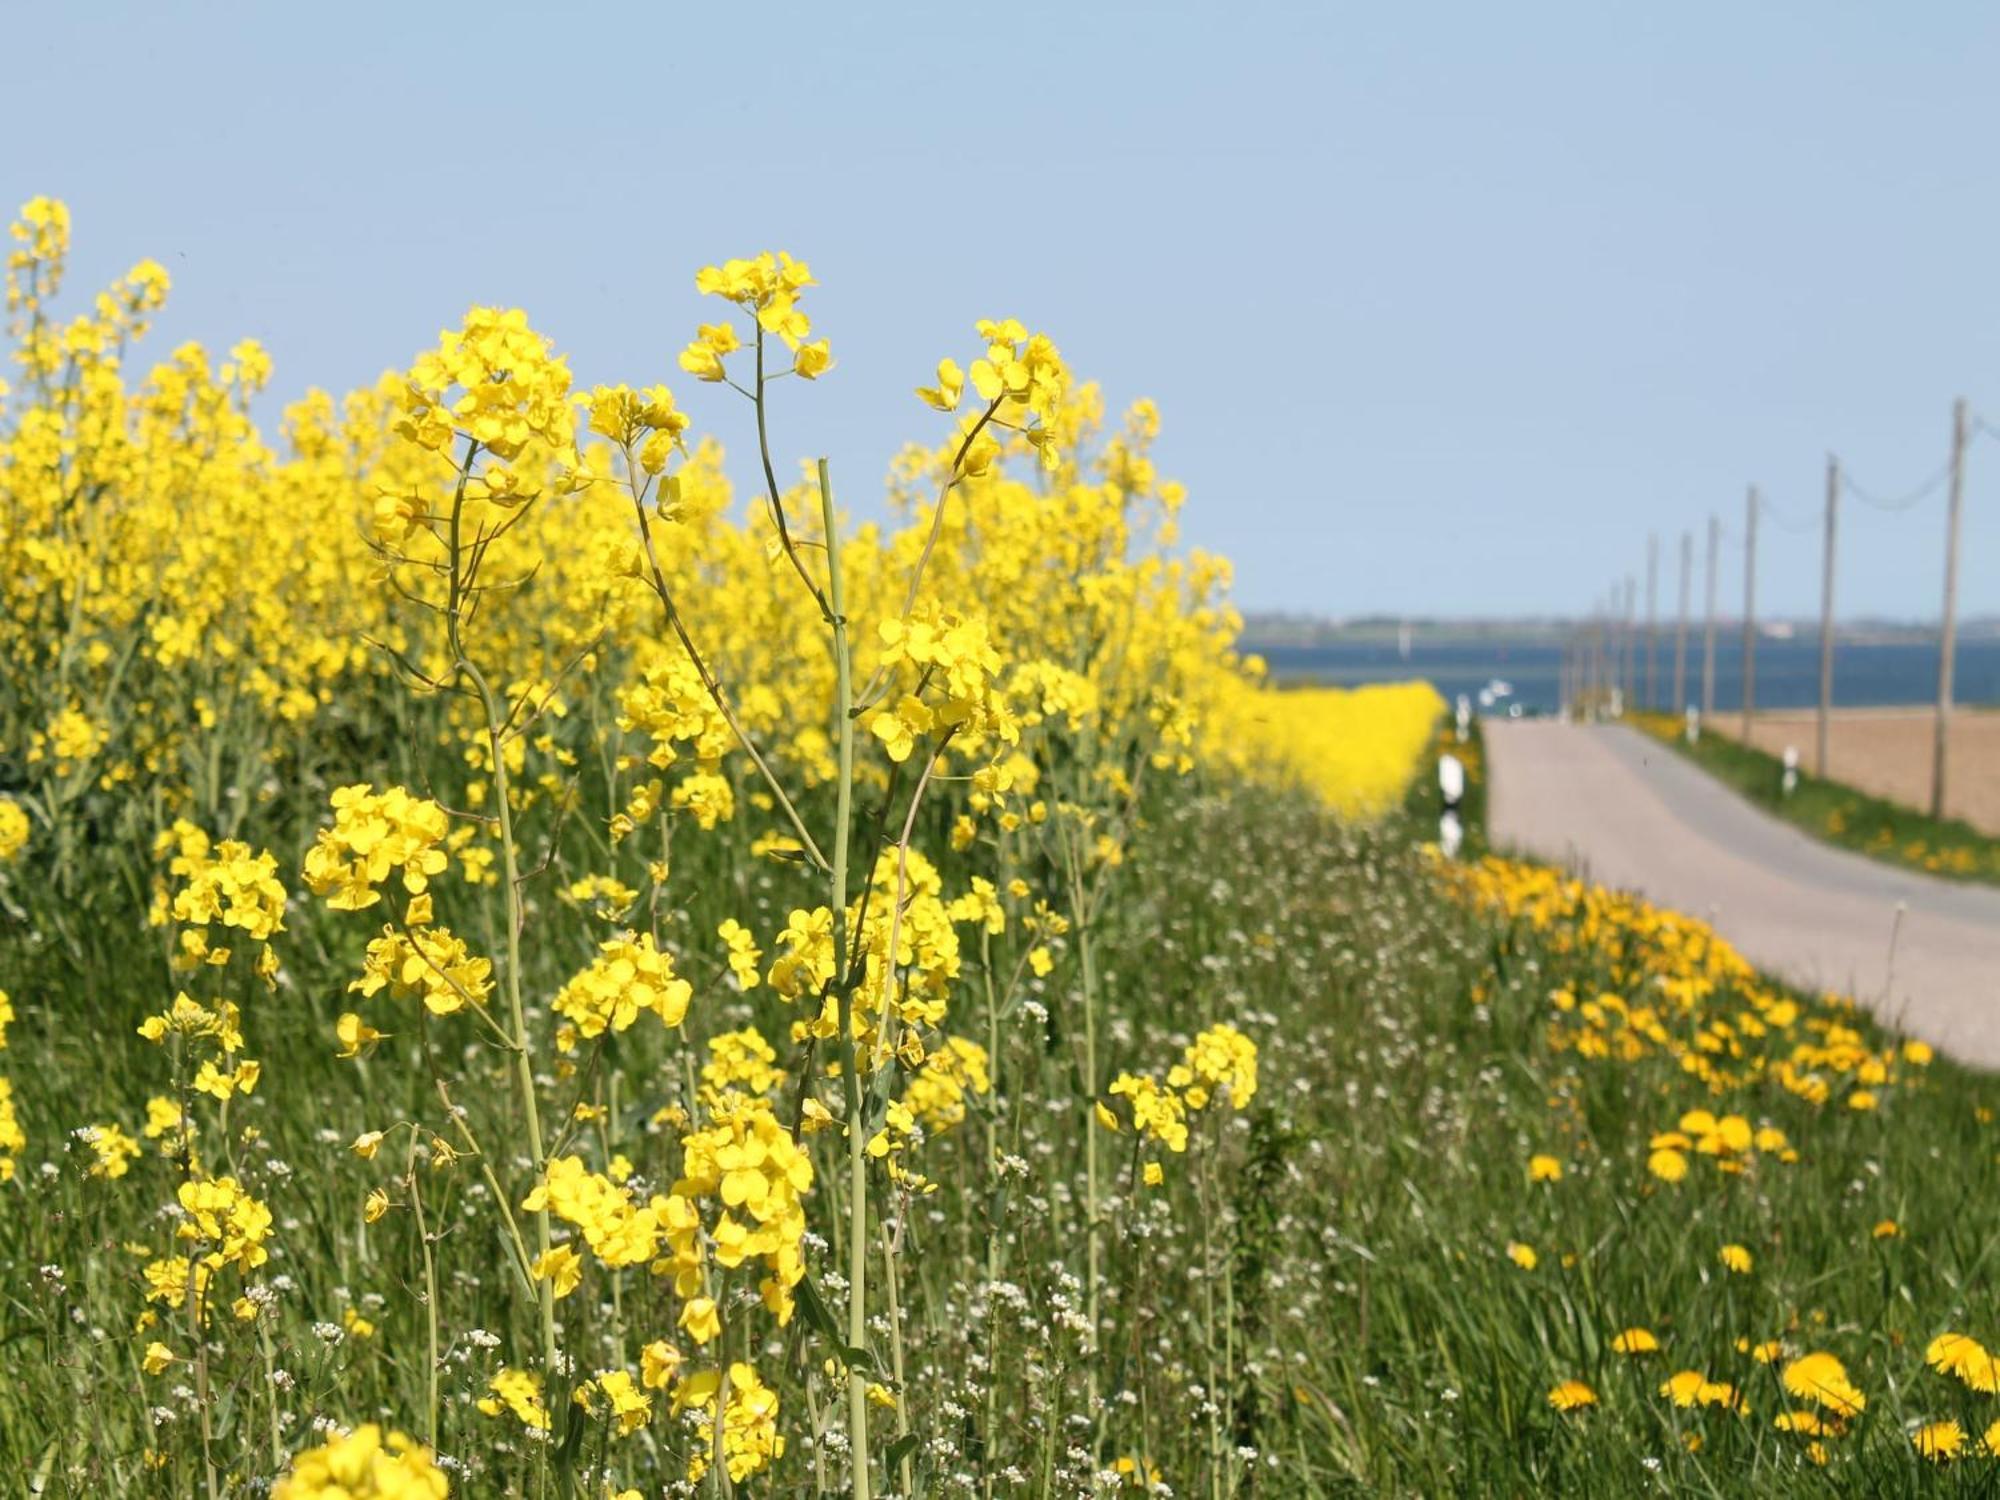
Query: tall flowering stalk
(1021, 380)
(768, 288)
(857, 1160)
(493, 390)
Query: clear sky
(1445, 305)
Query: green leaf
(818, 1314)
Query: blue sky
(1445, 305)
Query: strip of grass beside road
(1835, 812)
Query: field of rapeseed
(528, 977)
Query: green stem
(1094, 1249)
(197, 1334)
(857, 1159)
(718, 1464)
(716, 695)
(524, 1063)
(271, 1391)
(817, 1425)
(889, 1285)
(430, 1299)
(1208, 1331)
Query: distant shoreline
(1260, 633)
(1869, 671)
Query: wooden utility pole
(1681, 628)
(1579, 667)
(1948, 633)
(1826, 617)
(1590, 655)
(1631, 641)
(1653, 621)
(1708, 622)
(1607, 654)
(1586, 656)
(1749, 611)
(1614, 646)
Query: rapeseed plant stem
(197, 1332)
(717, 695)
(271, 1391)
(1087, 962)
(857, 1159)
(459, 581)
(524, 1063)
(892, 1288)
(432, 1363)
(829, 609)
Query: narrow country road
(1608, 802)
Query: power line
(1907, 501)
(1797, 528)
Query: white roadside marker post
(1451, 782)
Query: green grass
(1837, 813)
(1358, 1319)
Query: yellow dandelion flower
(1683, 1387)
(1572, 1395)
(1667, 1164)
(1821, 1378)
(1939, 1442)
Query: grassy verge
(1838, 813)
(1504, 1123)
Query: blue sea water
(1864, 673)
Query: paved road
(1629, 812)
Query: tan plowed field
(1887, 751)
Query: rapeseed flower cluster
(374, 835)
(746, 1169)
(1220, 1063)
(365, 1464)
(629, 976)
